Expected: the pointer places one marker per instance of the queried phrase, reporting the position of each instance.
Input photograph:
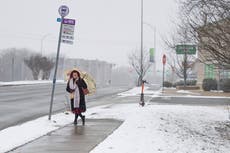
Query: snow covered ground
(149, 129)
(18, 135)
(29, 82)
(137, 91)
(166, 129)
(185, 92)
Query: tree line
(12, 63)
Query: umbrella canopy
(91, 84)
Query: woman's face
(75, 76)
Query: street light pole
(153, 28)
(142, 12)
(43, 38)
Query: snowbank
(185, 92)
(29, 82)
(137, 91)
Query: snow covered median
(29, 82)
(166, 129)
(136, 91)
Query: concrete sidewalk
(71, 138)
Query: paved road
(198, 101)
(26, 102)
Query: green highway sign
(188, 49)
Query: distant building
(13, 68)
(210, 68)
(101, 71)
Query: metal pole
(154, 64)
(55, 71)
(141, 40)
(163, 78)
(43, 38)
(155, 39)
(185, 68)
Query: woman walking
(76, 86)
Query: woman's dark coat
(81, 84)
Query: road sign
(164, 59)
(151, 54)
(63, 10)
(68, 31)
(188, 49)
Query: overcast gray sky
(105, 29)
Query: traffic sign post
(186, 49)
(164, 62)
(63, 11)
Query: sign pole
(63, 11)
(55, 71)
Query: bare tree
(47, 65)
(34, 63)
(208, 22)
(140, 67)
(181, 64)
(12, 67)
(38, 63)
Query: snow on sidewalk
(166, 129)
(29, 82)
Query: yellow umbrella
(91, 84)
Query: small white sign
(68, 31)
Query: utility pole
(43, 38)
(142, 13)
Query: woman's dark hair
(74, 71)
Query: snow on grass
(185, 92)
(137, 91)
(166, 129)
(217, 91)
(29, 82)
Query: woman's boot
(75, 120)
(83, 120)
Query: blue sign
(58, 19)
